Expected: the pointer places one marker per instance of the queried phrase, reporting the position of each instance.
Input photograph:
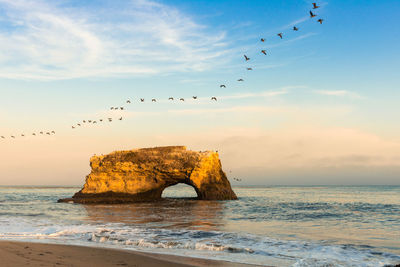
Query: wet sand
(15, 254)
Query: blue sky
(324, 100)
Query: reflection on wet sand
(168, 213)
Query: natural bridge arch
(143, 174)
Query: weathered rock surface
(142, 175)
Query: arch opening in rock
(180, 190)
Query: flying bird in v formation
(213, 98)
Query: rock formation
(143, 174)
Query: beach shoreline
(16, 253)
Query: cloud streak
(46, 41)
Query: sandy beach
(14, 254)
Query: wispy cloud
(342, 93)
(47, 41)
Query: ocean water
(279, 226)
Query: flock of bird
(213, 98)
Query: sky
(321, 108)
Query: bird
(34, 134)
(3, 137)
(112, 108)
(79, 124)
(280, 35)
(89, 121)
(214, 98)
(101, 120)
(194, 97)
(53, 132)
(222, 86)
(84, 121)
(94, 121)
(22, 135)
(249, 69)
(312, 14)
(128, 101)
(153, 100)
(120, 119)
(171, 98)
(295, 28)
(73, 127)
(315, 5)
(142, 100)
(262, 40)
(181, 99)
(121, 108)
(247, 58)
(264, 52)
(12, 136)
(240, 80)
(48, 133)
(320, 21)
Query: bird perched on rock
(214, 98)
(264, 52)
(280, 35)
(295, 28)
(312, 15)
(246, 58)
(315, 5)
(222, 86)
(320, 21)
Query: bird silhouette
(181, 99)
(249, 69)
(312, 15)
(247, 58)
(128, 101)
(73, 127)
(121, 108)
(240, 80)
(101, 120)
(214, 98)
(48, 133)
(295, 28)
(120, 119)
(315, 5)
(171, 98)
(34, 134)
(142, 100)
(89, 121)
(94, 121)
(84, 121)
(222, 86)
(112, 108)
(153, 100)
(264, 52)
(262, 40)
(194, 97)
(320, 21)
(280, 35)
(78, 124)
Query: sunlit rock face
(143, 174)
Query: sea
(273, 226)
